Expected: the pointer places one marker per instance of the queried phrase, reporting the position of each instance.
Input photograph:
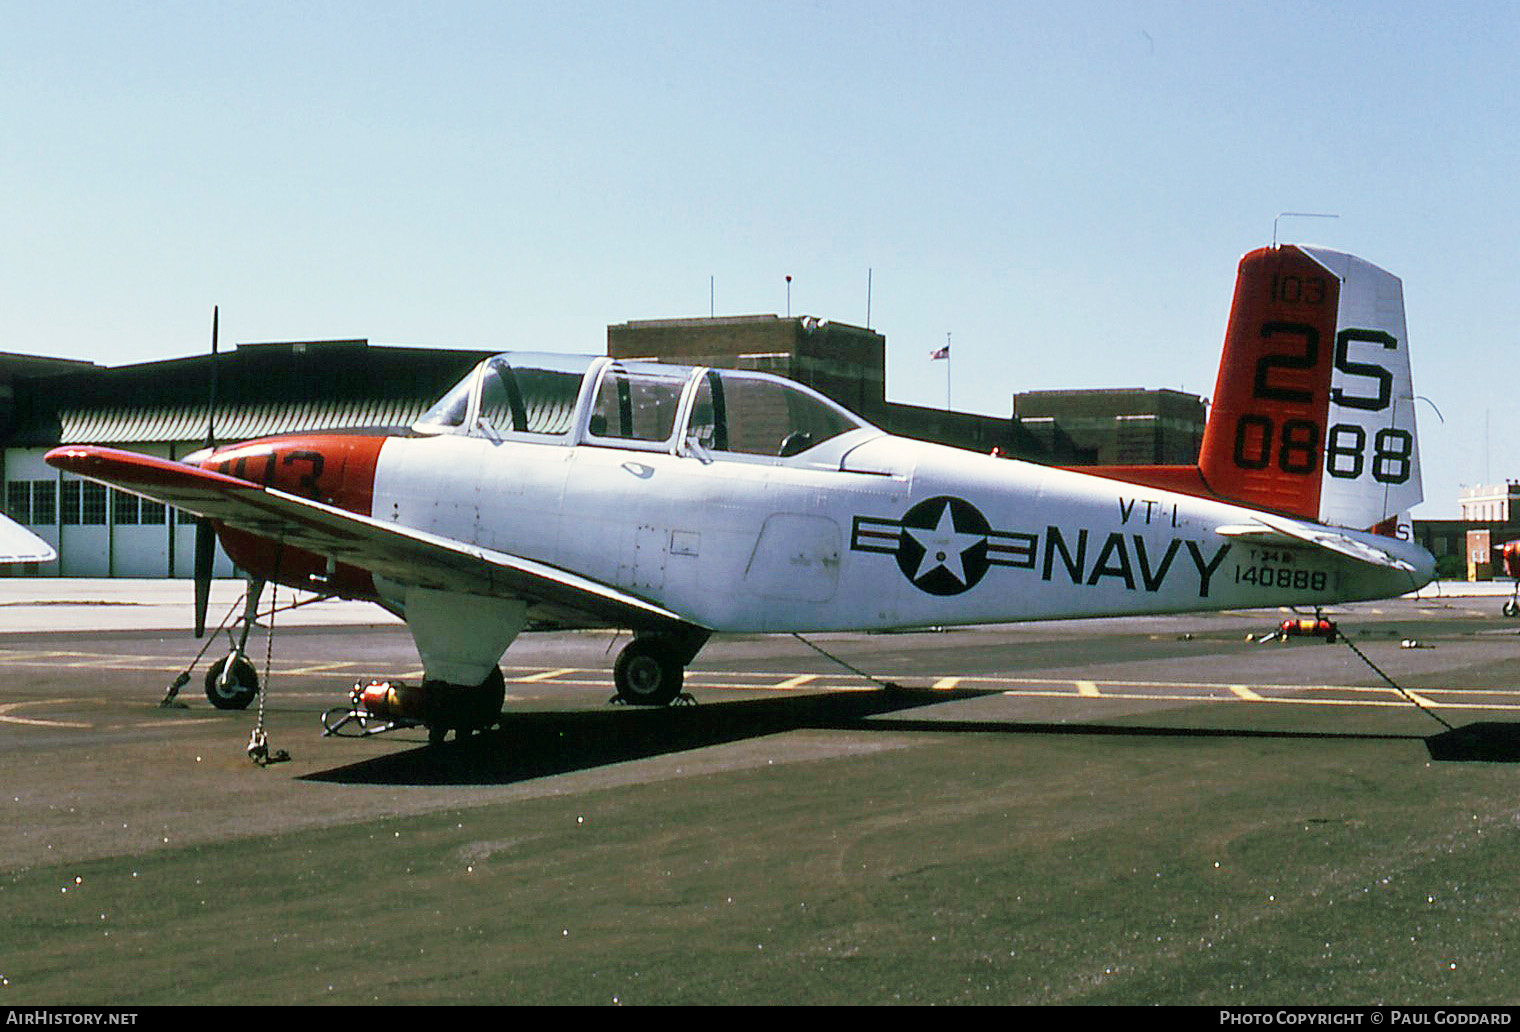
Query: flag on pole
(939, 353)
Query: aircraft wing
(19, 545)
(399, 553)
(1268, 530)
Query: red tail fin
(1313, 412)
(1265, 433)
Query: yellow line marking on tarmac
(96, 663)
(780, 686)
(1127, 691)
(5, 714)
(321, 668)
(996, 683)
(543, 675)
(1472, 698)
(1007, 685)
(1394, 701)
(591, 682)
(23, 655)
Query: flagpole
(944, 353)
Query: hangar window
(92, 505)
(69, 502)
(44, 503)
(18, 500)
(81, 502)
(124, 510)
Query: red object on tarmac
(1511, 554)
(1320, 628)
(390, 700)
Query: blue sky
(1064, 189)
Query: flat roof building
(1114, 427)
(846, 363)
(1491, 503)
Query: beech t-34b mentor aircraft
(550, 491)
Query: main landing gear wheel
(648, 673)
(237, 688)
(464, 709)
(1512, 608)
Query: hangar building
(161, 408)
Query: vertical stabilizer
(1372, 451)
(1313, 412)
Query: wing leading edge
(401, 554)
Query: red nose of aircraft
(334, 469)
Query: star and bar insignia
(943, 545)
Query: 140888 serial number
(1281, 577)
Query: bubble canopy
(582, 399)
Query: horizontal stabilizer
(1271, 531)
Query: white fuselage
(879, 532)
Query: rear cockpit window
(637, 403)
(750, 415)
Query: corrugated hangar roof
(261, 389)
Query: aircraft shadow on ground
(535, 745)
(1485, 741)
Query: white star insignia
(943, 546)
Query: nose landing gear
(232, 683)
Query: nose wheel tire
(235, 690)
(648, 673)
